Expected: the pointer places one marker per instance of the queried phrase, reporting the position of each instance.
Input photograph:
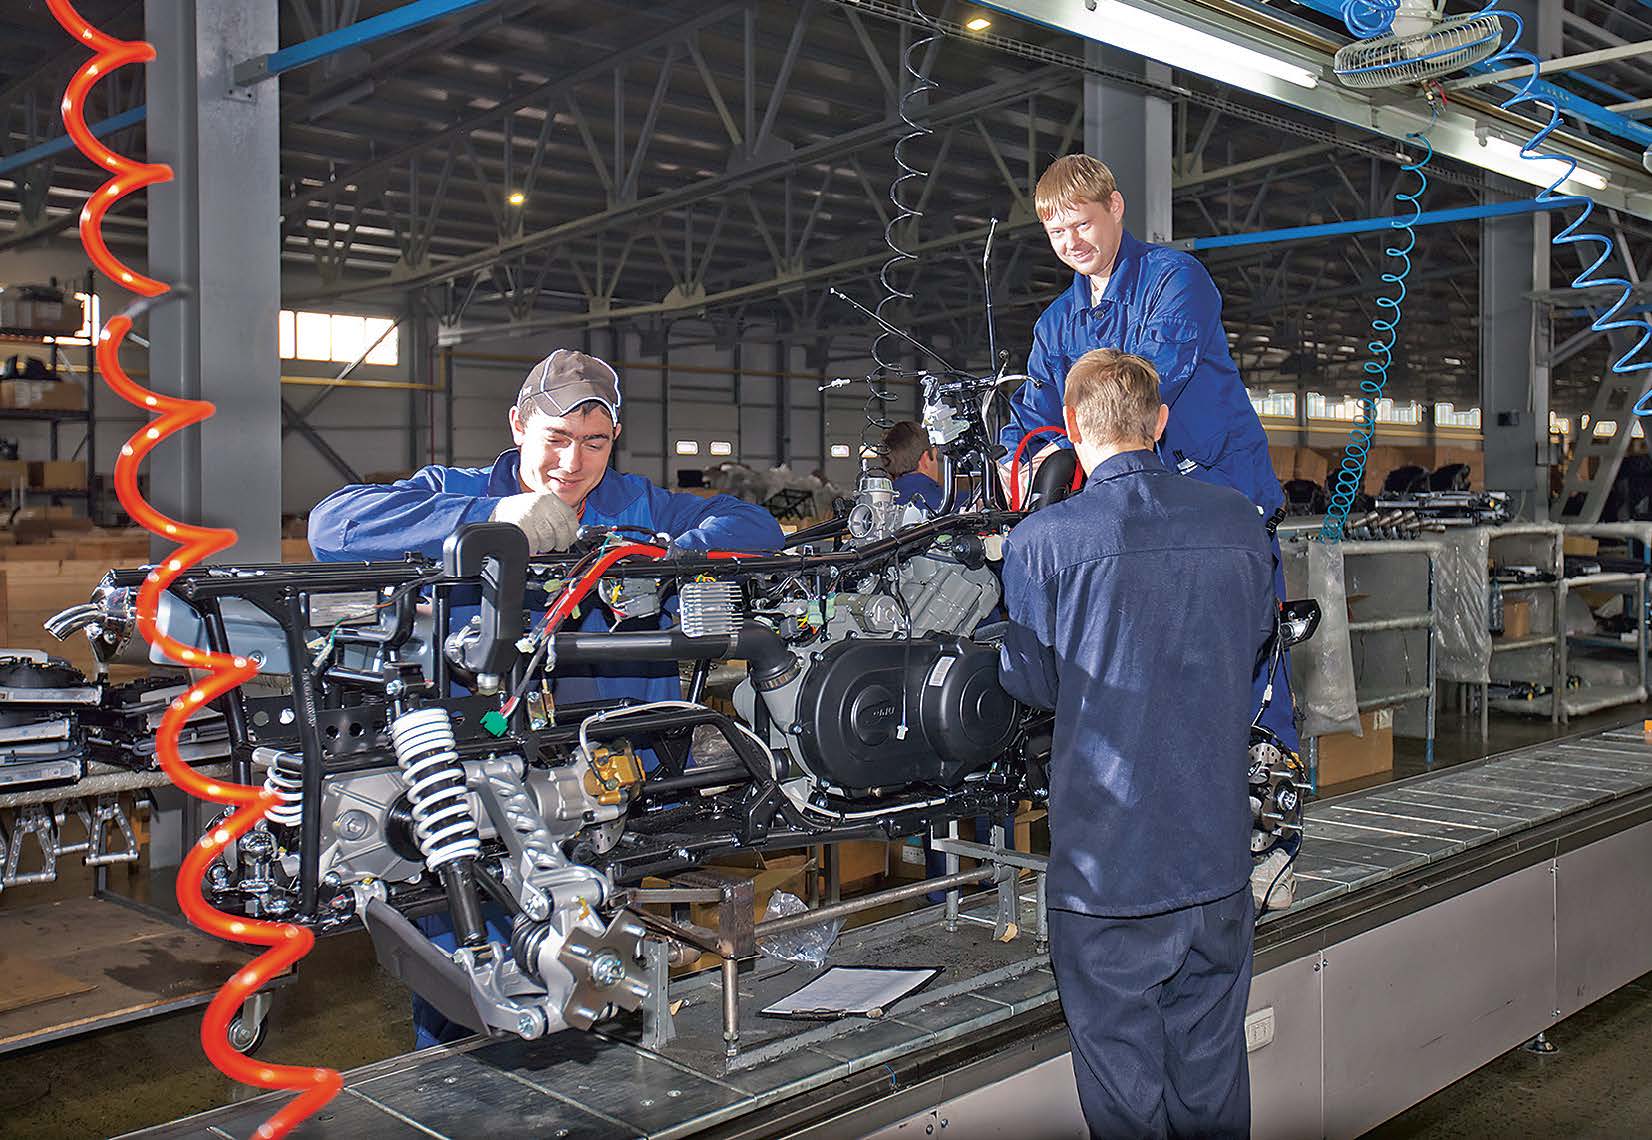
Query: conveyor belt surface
(604, 1084)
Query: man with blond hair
(1139, 608)
(1160, 304)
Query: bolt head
(607, 970)
(353, 825)
(525, 1024)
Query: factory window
(1447, 415)
(89, 322)
(1274, 403)
(1389, 412)
(840, 451)
(1323, 408)
(688, 447)
(868, 452)
(336, 337)
(1605, 429)
(721, 447)
(1560, 425)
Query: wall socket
(1258, 1029)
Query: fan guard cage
(1390, 61)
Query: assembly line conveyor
(1439, 921)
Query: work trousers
(1156, 1009)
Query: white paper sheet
(849, 991)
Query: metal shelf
(1389, 700)
(1505, 646)
(1593, 698)
(1600, 580)
(47, 415)
(1523, 587)
(1383, 625)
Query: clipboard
(852, 991)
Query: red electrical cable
(1015, 463)
(288, 943)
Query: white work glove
(550, 524)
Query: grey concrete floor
(344, 1012)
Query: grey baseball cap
(566, 379)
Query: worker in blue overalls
(1139, 608)
(1160, 304)
(913, 466)
(555, 480)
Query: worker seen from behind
(556, 479)
(1160, 304)
(913, 466)
(1139, 609)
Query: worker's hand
(550, 524)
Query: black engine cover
(958, 717)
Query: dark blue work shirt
(384, 521)
(1160, 304)
(1138, 609)
(914, 487)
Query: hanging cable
(1350, 478)
(898, 234)
(223, 672)
(1573, 233)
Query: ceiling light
(1505, 158)
(1179, 45)
(517, 198)
(979, 24)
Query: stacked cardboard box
(57, 474)
(42, 395)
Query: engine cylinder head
(428, 755)
(710, 609)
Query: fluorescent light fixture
(840, 451)
(517, 198)
(688, 447)
(1180, 45)
(721, 447)
(979, 24)
(1504, 157)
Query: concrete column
(1130, 131)
(1514, 397)
(215, 230)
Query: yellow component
(615, 770)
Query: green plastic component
(495, 723)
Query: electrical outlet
(1258, 1029)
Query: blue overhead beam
(64, 143)
(390, 23)
(1366, 225)
(398, 20)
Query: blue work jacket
(1138, 610)
(920, 489)
(1160, 304)
(385, 521)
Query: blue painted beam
(63, 143)
(390, 23)
(1366, 225)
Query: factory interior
(749, 569)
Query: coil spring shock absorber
(284, 779)
(444, 826)
(223, 672)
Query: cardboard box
(296, 550)
(1581, 545)
(861, 859)
(13, 472)
(768, 874)
(1517, 618)
(1344, 756)
(57, 474)
(42, 395)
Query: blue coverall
(385, 521)
(1161, 304)
(914, 487)
(1138, 609)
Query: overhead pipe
(1365, 225)
(267, 66)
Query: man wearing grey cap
(555, 480)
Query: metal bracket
(34, 820)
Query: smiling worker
(555, 480)
(1160, 304)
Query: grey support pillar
(1514, 396)
(1130, 131)
(215, 229)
